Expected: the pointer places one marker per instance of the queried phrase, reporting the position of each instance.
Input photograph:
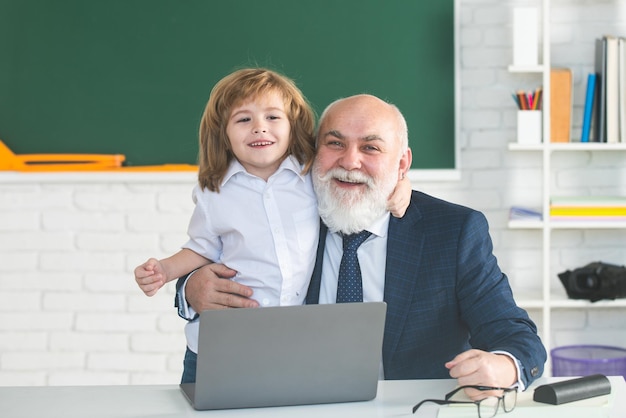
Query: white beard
(350, 211)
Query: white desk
(395, 399)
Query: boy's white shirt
(266, 231)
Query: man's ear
(405, 163)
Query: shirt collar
(289, 163)
(380, 225)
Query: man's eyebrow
(368, 138)
(335, 133)
(373, 137)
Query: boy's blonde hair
(215, 154)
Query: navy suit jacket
(445, 294)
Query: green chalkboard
(132, 76)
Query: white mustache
(349, 176)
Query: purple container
(583, 360)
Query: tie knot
(352, 241)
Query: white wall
(70, 312)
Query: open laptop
(288, 355)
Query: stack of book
(524, 214)
(604, 115)
(588, 208)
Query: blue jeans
(189, 367)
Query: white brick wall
(70, 312)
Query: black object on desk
(573, 390)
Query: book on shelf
(612, 90)
(588, 109)
(598, 219)
(560, 104)
(621, 81)
(586, 201)
(588, 211)
(519, 213)
(600, 110)
(588, 208)
(610, 101)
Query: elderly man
(450, 310)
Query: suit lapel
(404, 250)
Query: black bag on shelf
(595, 281)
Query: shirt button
(265, 302)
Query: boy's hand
(150, 276)
(400, 198)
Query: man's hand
(211, 288)
(477, 367)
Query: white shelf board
(564, 224)
(562, 302)
(586, 146)
(591, 224)
(568, 146)
(529, 299)
(526, 68)
(520, 224)
(529, 303)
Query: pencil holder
(525, 36)
(529, 127)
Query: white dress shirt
(266, 231)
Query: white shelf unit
(547, 301)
